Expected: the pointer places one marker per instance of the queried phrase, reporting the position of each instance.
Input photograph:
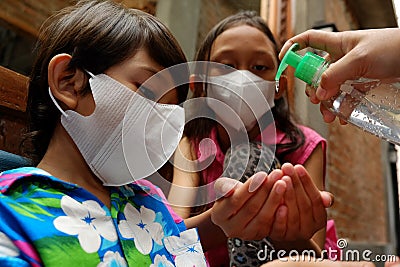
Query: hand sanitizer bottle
(372, 105)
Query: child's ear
(192, 78)
(195, 86)
(65, 82)
(283, 84)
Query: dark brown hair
(98, 35)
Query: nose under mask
(246, 94)
(127, 137)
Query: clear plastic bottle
(372, 105)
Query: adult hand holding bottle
(370, 54)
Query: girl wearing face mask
(245, 43)
(95, 132)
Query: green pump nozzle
(306, 66)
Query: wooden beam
(28, 15)
(13, 89)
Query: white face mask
(247, 94)
(128, 137)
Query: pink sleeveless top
(205, 150)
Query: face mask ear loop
(56, 103)
(88, 72)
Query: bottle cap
(306, 66)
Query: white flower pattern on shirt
(161, 261)
(87, 220)
(186, 248)
(142, 227)
(80, 224)
(113, 259)
(7, 247)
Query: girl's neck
(225, 141)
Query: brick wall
(356, 179)
(339, 13)
(212, 11)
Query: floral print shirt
(48, 222)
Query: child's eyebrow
(265, 52)
(223, 51)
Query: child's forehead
(243, 36)
(240, 41)
(243, 30)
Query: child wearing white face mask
(81, 206)
(245, 43)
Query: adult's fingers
(344, 66)
(348, 67)
(327, 41)
(327, 115)
(310, 92)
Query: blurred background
(362, 170)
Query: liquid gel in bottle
(372, 105)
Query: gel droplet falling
(277, 86)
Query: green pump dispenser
(357, 102)
(308, 67)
